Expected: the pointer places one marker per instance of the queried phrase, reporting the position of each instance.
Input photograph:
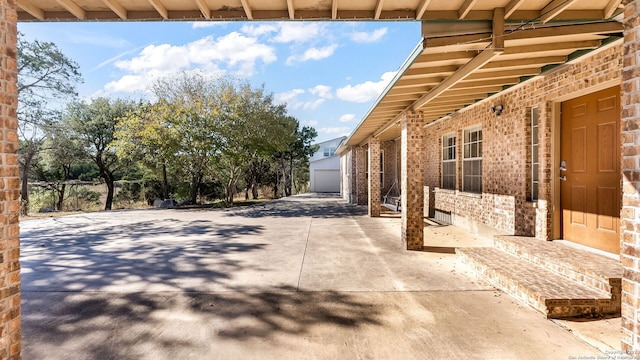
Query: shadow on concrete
(310, 205)
(142, 254)
(130, 326)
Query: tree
(60, 153)
(45, 75)
(94, 124)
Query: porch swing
(392, 201)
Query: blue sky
(328, 73)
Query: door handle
(563, 177)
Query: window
(329, 151)
(472, 160)
(534, 153)
(449, 162)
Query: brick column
(10, 334)
(354, 183)
(412, 180)
(374, 177)
(630, 213)
(361, 176)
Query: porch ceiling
(459, 63)
(54, 10)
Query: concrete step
(586, 267)
(552, 294)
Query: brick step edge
(563, 266)
(551, 294)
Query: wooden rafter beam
(459, 55)
(511, 7)
(554, 8)
(477, 90)
(292, 9)
(481, 38)
(465, 8)
(159, 8)
(539, 48)
(611, 8)
(481, 83)
(608, 27)
(431, 71)
(35, 11)
(500, 74)
(73, 8)
(378, 11)
(204, 9)
(422, 8)
(519, 63)
(117, 8)
(247, 9)
(498, 29)
(334, 9)
(402, 83)
(477, 62)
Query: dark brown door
(590, 152)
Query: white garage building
(324, 167)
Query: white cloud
(259, 30)
(365, 92)
(322, 91)
(365, 37)
(287, 32)
(312, 105)
(339, 130)
(233, 52)
(299, 31)
(313, 54)
(347, 117)
(286, 96)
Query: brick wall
(630, 214)
(374, 177)
(506, 173)
(361, 176)
(10, 335)
(412, 175)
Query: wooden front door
(590, 170)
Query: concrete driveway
(308, 277)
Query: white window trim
(442, 160)
(464, 159)
(535, 184)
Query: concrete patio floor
(305, 277)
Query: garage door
(326, 181)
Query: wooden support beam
(475, 63)
(611, 8)
(608, 27)
(512, 6)
(498, 29)
(404, 83)
(481, 83)
(247, 9)
(481, 38)
(523, 63)
(571, 45)
(422, 8)
(502, 74)
(554, 8)
(431, 71)
(73, 8)
(35, 11)
(204, 9)
(116, 8)
(334, 9)
(292, 9)
(465, 8)
(159, 8)
(378, 11)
